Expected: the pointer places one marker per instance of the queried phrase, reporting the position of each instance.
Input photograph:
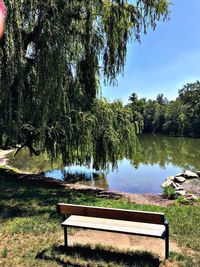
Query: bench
(142, 223)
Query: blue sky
(166, 59)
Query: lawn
(31, 235)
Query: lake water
(154, 159)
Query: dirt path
(3, 156)
(123, 241)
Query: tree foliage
(178, 117)
(51, 58)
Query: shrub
(169, 192)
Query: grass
(31, 235)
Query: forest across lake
(154, 158)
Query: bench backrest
(119, 214)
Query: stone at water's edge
(191, 197)
(170, 178)
(179, 179)
(180, 175)
(176, 186)
(190, 175)
(179, 190)
(167, 183)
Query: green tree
(149, 115)
(51, 58)
(178, 117)
(137, 106)
(173, 121)
(161, 99)
(159, 118)
(189, 96)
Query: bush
(169, 192)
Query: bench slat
(145, 229)
(119, 214)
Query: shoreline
(142, 199)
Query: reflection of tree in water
(33, 164)
(157, 149)
(97, 179)
(41, 163)
(149, 150)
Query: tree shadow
(86, 255)
(33, 195)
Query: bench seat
(118, 226)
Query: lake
(155, 158)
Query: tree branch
(30, 147)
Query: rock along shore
(186, 185)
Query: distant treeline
(180, 117)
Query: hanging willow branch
(50, 58)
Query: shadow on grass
(78, 256)
(31, 195)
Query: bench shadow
(77, 254)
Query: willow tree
(51, 57)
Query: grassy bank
(31, 235)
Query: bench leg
(167, 242)
(65, 236)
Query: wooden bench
(143, 223)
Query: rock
(180, 175)
(180, 193)
(179, 179)
(170, 178)
(198, 173)
(167, 183)
(191, 197)
(177, 186)
(190, 175)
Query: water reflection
(142, 171)
(181, 152)
(74, 174)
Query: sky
(166, 58)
